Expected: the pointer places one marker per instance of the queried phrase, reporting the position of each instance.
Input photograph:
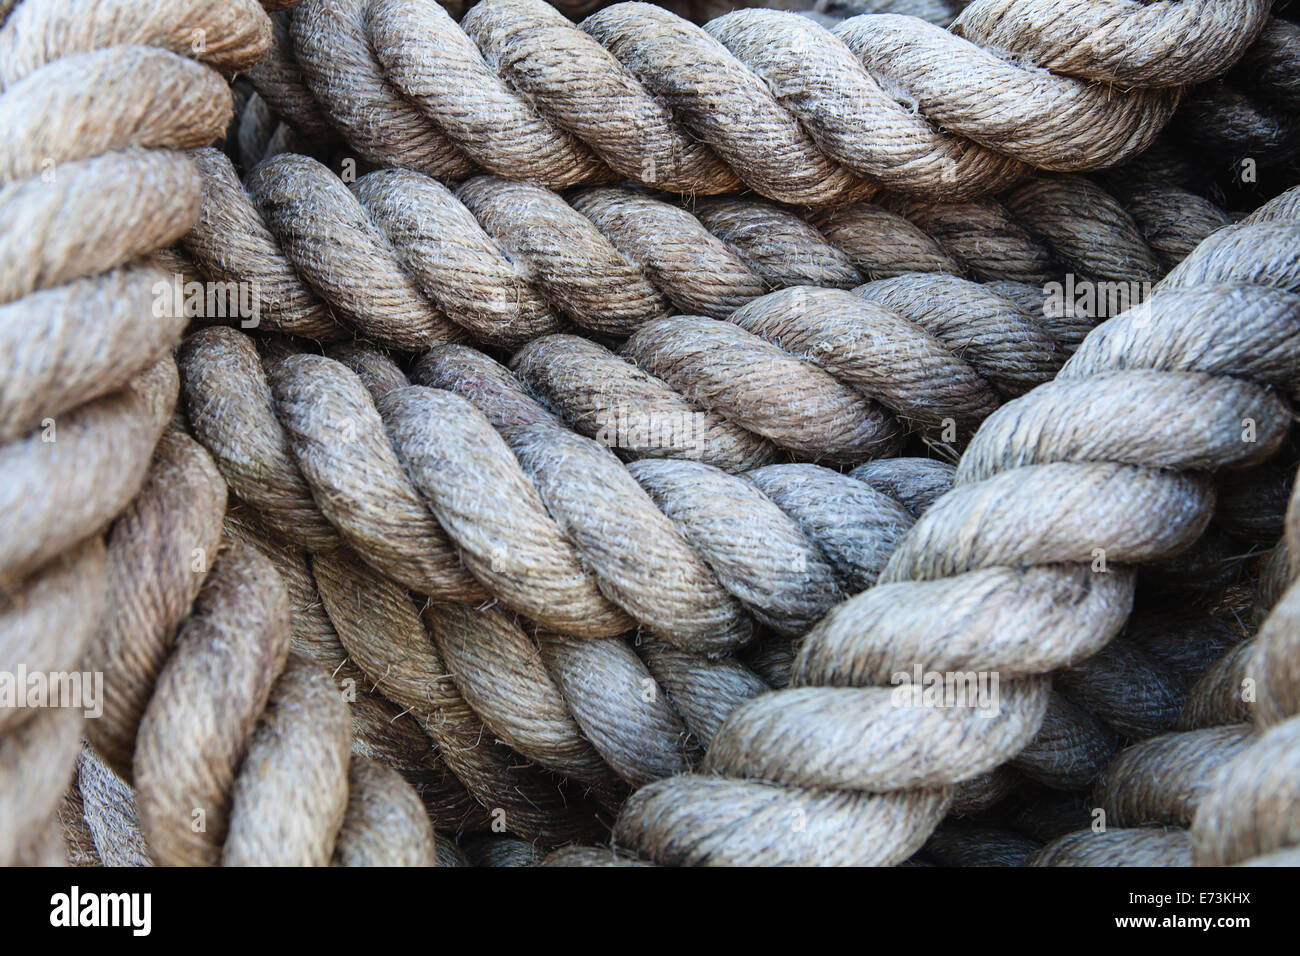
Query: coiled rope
(238, 750)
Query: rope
(362, 491)
(97, 102)
(812, 116)
(1253, 113)
(507, 262)
(994, 578)
(238, 749)
(1193, 779)
(582, 578)
(381, 730)
(94, 102)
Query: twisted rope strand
(1196, 778)
(380, 729)
(93, 100)
(263, 765)
(990, 579)
(846, 519)
(798, 113)
(508, 262)
(826, 507)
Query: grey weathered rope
(956, 844)
(311, 392)
(1247, 811)
(476, 92)
(1127, 43)
(1147, 846)
(1211, 775)
(1008, 351)
(382, 629)
(439, 244)
(854, 546)
(1103, 492)
(851, 542)
(109, 812)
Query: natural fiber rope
(1090, 741)
(996, 587)
(1247, 811)
(93, 99)
(221, 372)
(1213, 775)
(238, 749)
(778, 574)
(437, 261)
(1251, 115)
(544, 647)
(380, 729)
(240, 416)
(512, 90)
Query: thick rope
(430, 242)
(777, 575)
(238, 749)
(1196, 778)
(1253, 114)
(96, 99)
(839, 535)
(506, 262)
(380, 729)
(811, 116)
(992, 578)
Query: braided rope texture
(544, 364)
(1222, 786)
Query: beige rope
(409, 87)
(340, 477)
(96, 98)
(380, 729)
(507, 262)
(238, 749)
